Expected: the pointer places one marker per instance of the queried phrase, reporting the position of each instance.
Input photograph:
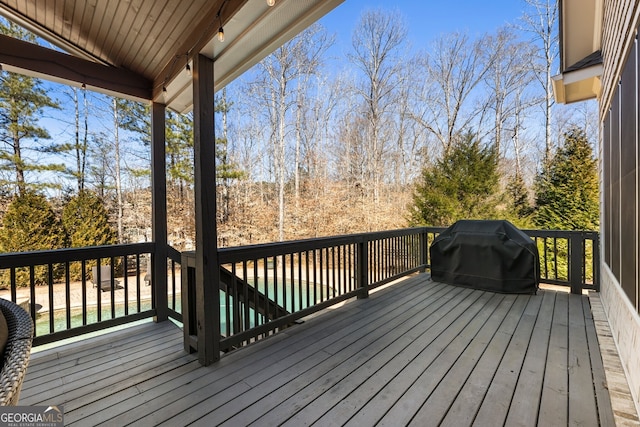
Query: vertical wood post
(424, 250)
(596, 260)
(207, 288)
(159, 212)
(363, 268)
(576, 257)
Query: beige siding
(620, 23)
(621, 20)
(625, 328)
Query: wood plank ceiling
(155, 39)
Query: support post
(576, 257)
(207, 286)
(159, 215)
(363, 268)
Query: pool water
(60, 316)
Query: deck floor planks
(415, 340)
(430, 377)
(525, 403)
(582, 403)
(437, 405)
(366, 380)
(428, 351)
(220, 392)
(47, 368)
(495, 406)
(605, 411)
(103, 372)
(335, 367)
(554, 401)
(466, 404)
(364, 393)
(314, 382)
(51, 364)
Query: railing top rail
(274, 249)
(20, 259)
(589, 234)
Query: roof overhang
(255, 31)
(580, 58)
(138, 70)
(579, 82)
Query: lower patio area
(415, 353)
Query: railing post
(576, 258)
(424, 250)
(595, 248)
(363, 268)
(188, 295)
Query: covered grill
(489, 255)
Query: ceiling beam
(37, 61)
(29, 24)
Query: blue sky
(427, 19)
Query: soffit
(154, 39)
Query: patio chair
(105, 278)
(16, 334)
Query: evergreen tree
(567, 189)
(179, 140)
(519, 209)
(86, 221)
(462, 185)
(30, 225)
(22, 101)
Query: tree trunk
(119, 197)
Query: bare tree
(455, 67)
(118, 170)
(377, 52)
(281, 73)
(541, 20)
(509, 75)
(314, 43)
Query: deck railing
(69, 292)
(567, 258)
(266, 288)
(263, 288)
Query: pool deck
(414, 353)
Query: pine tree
(22, 101)
(462, 185)
(519, 209)
(30, 225)
(567, 189)
(86, 221)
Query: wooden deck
(418, 353)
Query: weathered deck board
(554, 400)
(415, 353)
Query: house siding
(619, 28)
(620, 182)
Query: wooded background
(312, 144)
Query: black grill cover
(488, 255)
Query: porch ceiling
(139, 47)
